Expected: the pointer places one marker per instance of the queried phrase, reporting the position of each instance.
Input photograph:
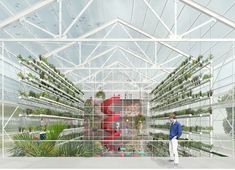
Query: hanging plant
(100, 94)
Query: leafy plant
(79, 148)
(30, 75)
(139, 119)
(54, 130)
(206, 76)
(100, 94)
(32, 94)
(21, 75)
(184, 142)
(23, 93)
(89, 110)
(25, 146)
(43, 59)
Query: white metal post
(60, 18)
(211, 101)
(155, 53)
(175, 9)
(3, 141)
(80, 52)
(233, 105)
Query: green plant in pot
(100, 94)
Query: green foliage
(159, 136)
(39, 111)
(54, 130)
(89, 110)
(25, 146)
(164, 126)
(30, 75)
(139, 119)
(44, 59)
(32, 94)
(196, 144)
(197, 128)
(70, 149)
(184, 142)
(19, 57)
(21, 75)
(183, 79)
(206, 76)
(185, 128)
(22, 93)
(100, 94)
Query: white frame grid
(61, 37)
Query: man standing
(175, 133)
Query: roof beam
(152, 37)
(25, 12)
(83, 36)
(40, 28)
(95, 73)
(140, 73)
(209, 12)
(99, 44)
(158, 17)
(91, 59)
(77, 17)
(133, 68)
(138, 46)
(133, 54)
(199, 26)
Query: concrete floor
(114, 163)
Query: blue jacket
(175, 130)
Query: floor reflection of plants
(51, 147)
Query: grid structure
(117, 53)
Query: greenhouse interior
(92, 83)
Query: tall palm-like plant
(25, 146)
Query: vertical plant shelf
(57, 97)
(181, 92)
